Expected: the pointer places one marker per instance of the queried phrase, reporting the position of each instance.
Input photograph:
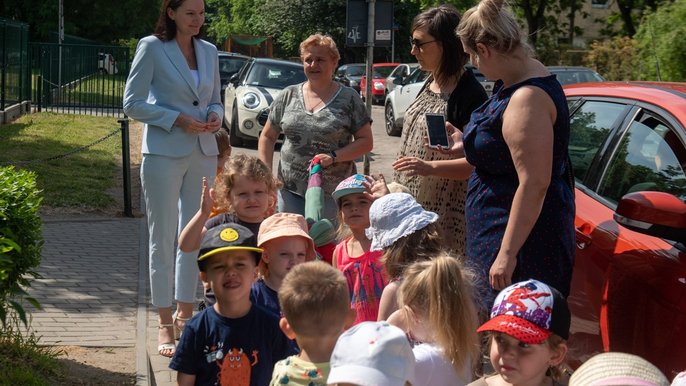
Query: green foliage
(23, 361)
(660, 38)
(615, 59)
(20, 238)
(102, 21)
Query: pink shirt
(366, 280)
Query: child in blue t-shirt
(285, 243)
(232, 342)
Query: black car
(229, 64)
(351, 74)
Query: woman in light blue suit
(173, 88)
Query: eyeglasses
(416, 43)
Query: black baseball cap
(228, 237)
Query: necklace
(325, 96)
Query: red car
(628, 152)
(380, 72)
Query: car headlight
(251, 100)
(353, 83)
(379, 86)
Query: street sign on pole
(356, 23)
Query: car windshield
(355, 70)
(417, 76)
(275, 75)
(383, 72)
(229, 65)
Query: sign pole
(371, 7)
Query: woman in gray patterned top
(318, 117)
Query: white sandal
(168, 346)
(178, 330)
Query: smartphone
(437, 132)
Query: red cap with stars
(529, 311)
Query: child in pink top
(363, 271)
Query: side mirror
(234, 79)
(399, 81)
(653, 213)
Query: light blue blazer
(160, 86)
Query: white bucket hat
(394, 216)
(372, 354)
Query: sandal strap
(162, 326)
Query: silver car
(250, 93)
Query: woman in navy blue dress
(520, 202)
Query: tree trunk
(625, 7)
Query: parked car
(628, 152)
(380, 72)
(487, 84)
(398, 100)
(406, 90)
(351, 74)
(107, 64)
(229, 63)
(402, 71)
(251, 92)
(569, 75)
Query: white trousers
(172, 188)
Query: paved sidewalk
(92, 271)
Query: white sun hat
(394, 216)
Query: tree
(661, 42)
(101, 21)
(616, 58)
(291, 21)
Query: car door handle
(582, 238)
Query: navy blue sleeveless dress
(548, 253)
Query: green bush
(614, 59)
(21, 239)
(660, 39)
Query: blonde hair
(321, 41)
(314, 299)
(245, 166)
(223, 143)
(491, 24)
(421, 245)
(441, 289)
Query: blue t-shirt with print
(225, 351)
(265, 297)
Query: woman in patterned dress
(520, 202)
(318, 117)
(449, 90)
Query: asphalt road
(381, 157)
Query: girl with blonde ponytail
(438, 314)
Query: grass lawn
(81, 180)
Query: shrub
(21, 239)
(661, 40)
(614, 59)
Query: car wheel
(391, 129)
(234, 139)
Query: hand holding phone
(438, 136)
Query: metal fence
(14, 78)
(78, 78)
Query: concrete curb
(143, 367)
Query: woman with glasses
(520, 206)
(449, 90)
